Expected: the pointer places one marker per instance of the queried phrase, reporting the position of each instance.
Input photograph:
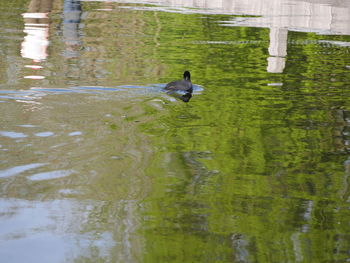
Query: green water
(97, 164)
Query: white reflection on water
(33, 66)
(12, 135)
(76, 133)
(44, 134)
(50, 175)
(19, 169)
(36, 41)
(34, 77)
(26, 125)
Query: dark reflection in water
(184, 96)
(99, 165)
(71, 36)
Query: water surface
(98, 164)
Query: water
(98, 164)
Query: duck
(181, 85)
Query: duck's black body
(183, 85)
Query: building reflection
(280, 16)
(36, 28)
(71, 21)
(277, 50)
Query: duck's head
(187, 75)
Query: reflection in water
(71, 36)
(277, 50)
(328, 17)
(324, 17)
(32, 228)
(107, 168)
(35, 43)
(87, 194)
(184, 96)
(36, 27)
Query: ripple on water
(68, 191)
(38, 92)
(50, 175)
(44, 134)
(19, 169)
(76, 133)
(13, 135)
(27, 126)
(34, 77)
